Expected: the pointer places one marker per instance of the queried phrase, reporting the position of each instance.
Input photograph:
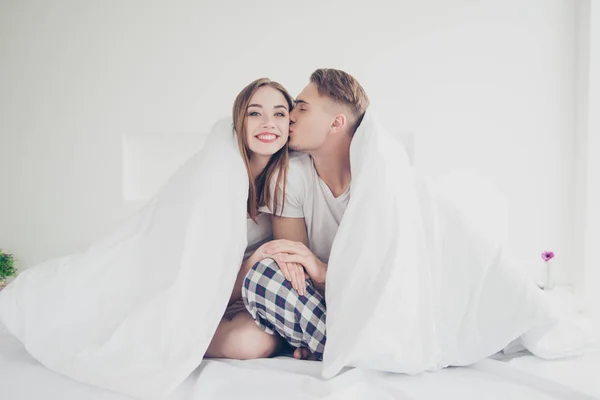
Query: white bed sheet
(23, 378)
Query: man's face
(310, 120)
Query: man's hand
(287, 251)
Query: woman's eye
(254, 114)
(280, 114)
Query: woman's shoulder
(300, 164)
(298, 156)
(299, 174)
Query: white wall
(591, 185)
(582, 92)
(488, 85)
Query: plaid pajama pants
(277, 307)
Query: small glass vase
(548, 278)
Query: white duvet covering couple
(362, 263)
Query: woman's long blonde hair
(259, 193)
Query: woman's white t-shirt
(258, 233)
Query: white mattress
(23, 378)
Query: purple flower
(547, 256)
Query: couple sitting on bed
(295, 204)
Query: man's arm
(294, 230)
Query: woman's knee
(266, 267)
(263, 274)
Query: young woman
(261, 121)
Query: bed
(498, 377)
(518, 376)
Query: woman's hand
(287, 251)
(292, 271)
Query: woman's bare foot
(302, 353)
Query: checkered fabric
(277, 307)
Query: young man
(323, 122)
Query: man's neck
(333, 166)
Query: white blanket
(136, 312)
(414, 283)
(419, 277)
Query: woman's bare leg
(241, 339)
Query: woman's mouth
(267, 137)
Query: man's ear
(339, 122)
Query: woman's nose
(268, 123)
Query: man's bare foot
(302, 353)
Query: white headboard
(149, 160)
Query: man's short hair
(344, 89)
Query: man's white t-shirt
(308, 197)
